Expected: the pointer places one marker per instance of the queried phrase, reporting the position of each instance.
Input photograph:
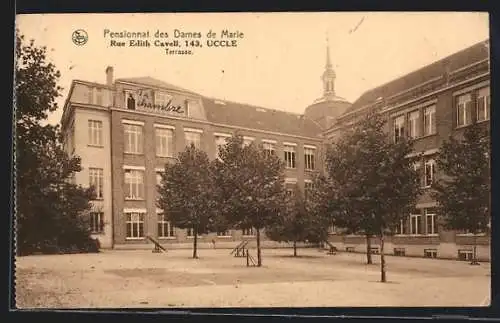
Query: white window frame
(189, 134)
(161, 223)
(430, 120)
(483, 93)
(269, 147)
(98, 96)
(95, 133)
(248, 232)
(130, 217)
(96, 179)
(136, 131)
(416, 224)
(433, 216)
(398, 127)
(96, 220)
(414, 124)
(247, 141)
(164, 140)
(161, 97)
(134, 179)
(462, 102)
(189, 234)
(225, 234)
(309, 158)
(290, 156)
(432, 164)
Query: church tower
(328, 76)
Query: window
(95, 132)
(164, 142)
(465, 255)
(133, 139)
(248, 232)
(402, 228)
(247, 141)
(430, 172)
(190, 234)
(226, 233)
(289, 192)
(134, 184)
(308, 186)
(399, 128)
(165, 229)
(289, 156)
(332, 229)
(135, 225)
(430, 253)
(416, 224)
(193, 138)
(269, 148)
(220, 142)
(98, 96)
(158, 178)
(483, 104)
(162, 98)
(430, 120)
(417, 166)
(95, 180)
(309, 158)
(90, 95)
(414, 124)
(97, 222)
(399, 252)
(129, 100)
(464, 110)
(430, 221)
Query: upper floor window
(247, 141)
(130, 100)
(220, 142)
(162, 98)
(193, 137)
(430, 221)
(483, 104)
(414, 124)
(430, 172)
(430, 120)
(309, 158)
(402, 226)
(95, 132)
(464, 110)
(98, 96)
(96, 181)
(416, 223)
(399, 128)
(308, 187)
(269, 147)
(133, 138)
(290, 156)
(134, 184)
(164, 142)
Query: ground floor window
(402, 227)
(226, 233)
(165, 229)
(135, 225)
(190, 233)
(96, 222)
(248, 232)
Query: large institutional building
(126, 129)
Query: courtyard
(140, 278)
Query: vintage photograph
(183, 160)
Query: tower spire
(328, 77)
(328, 62)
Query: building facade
(125, 130)
(428, 105)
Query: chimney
(109, 75)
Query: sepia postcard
(183, 160)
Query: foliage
(250, 186)
(49, 208)
(464, 192)
(373, 183)
(186, 193)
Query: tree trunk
(259, 257)
(368, 250)
(195, 243)
(383, 277)
(295, 248)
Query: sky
(276, 64)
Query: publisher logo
(80, 37)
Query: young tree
(373, 180)
(298, 222)
(250, 186)
(49, 208)
(186, 193)
(464, 192)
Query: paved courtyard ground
(173, 279)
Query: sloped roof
(248, 116)
(451, 63)
(150, 81)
